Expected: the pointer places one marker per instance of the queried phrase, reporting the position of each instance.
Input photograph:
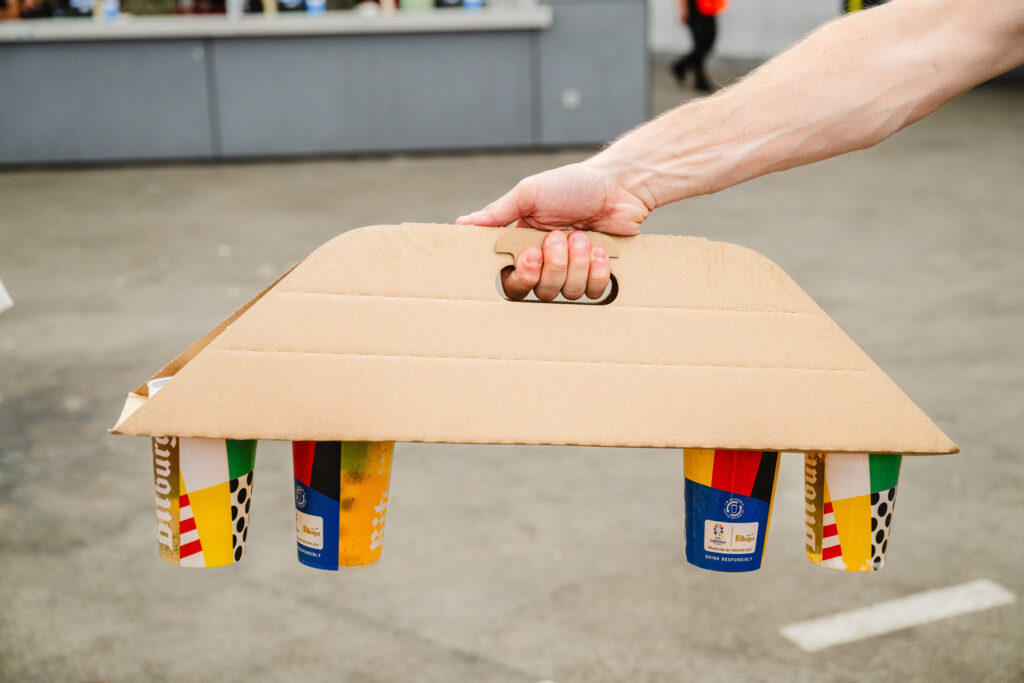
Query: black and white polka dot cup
(203, 496)
(849, 500)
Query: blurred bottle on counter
(74, 8)
(106, 10)
(316, 7)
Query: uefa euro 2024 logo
(718, 530)
(733, 508)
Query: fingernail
(532, 258)
(600, 253)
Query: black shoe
(703, 84)
(679, 69)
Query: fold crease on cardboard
(399, 333)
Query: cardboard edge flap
(131, 404)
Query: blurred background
(161, 161)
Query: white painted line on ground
(894, 615)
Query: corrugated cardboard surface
(400, 333)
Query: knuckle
(556, 264)
(572, 294)
(528, 271)
(600, 270)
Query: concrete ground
(513, 564)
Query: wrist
(625, 173)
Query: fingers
(600, 272)
(569, 265)
(579, 266)
(518, 282)
(556, 263)
(498, 213)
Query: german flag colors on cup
(849, 500)
(729, 498)
(341, 501)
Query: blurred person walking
(699, 17)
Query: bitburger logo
(166, 474)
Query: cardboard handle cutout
(515, 240)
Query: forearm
(847, 86)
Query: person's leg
(704, 29)
(685, 63)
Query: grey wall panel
(103, 101)
(593, 72)
(373, 93)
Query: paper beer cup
(728, 498)
(203, 493)
(848, 508)
(341, 501)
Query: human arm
(850, 84)
(847, 86)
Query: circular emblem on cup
(300, 497)
(733, 508)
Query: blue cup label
(724, 531)
(316, 527)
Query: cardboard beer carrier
(401, 333)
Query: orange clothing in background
(712, 7)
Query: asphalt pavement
(503, 563)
